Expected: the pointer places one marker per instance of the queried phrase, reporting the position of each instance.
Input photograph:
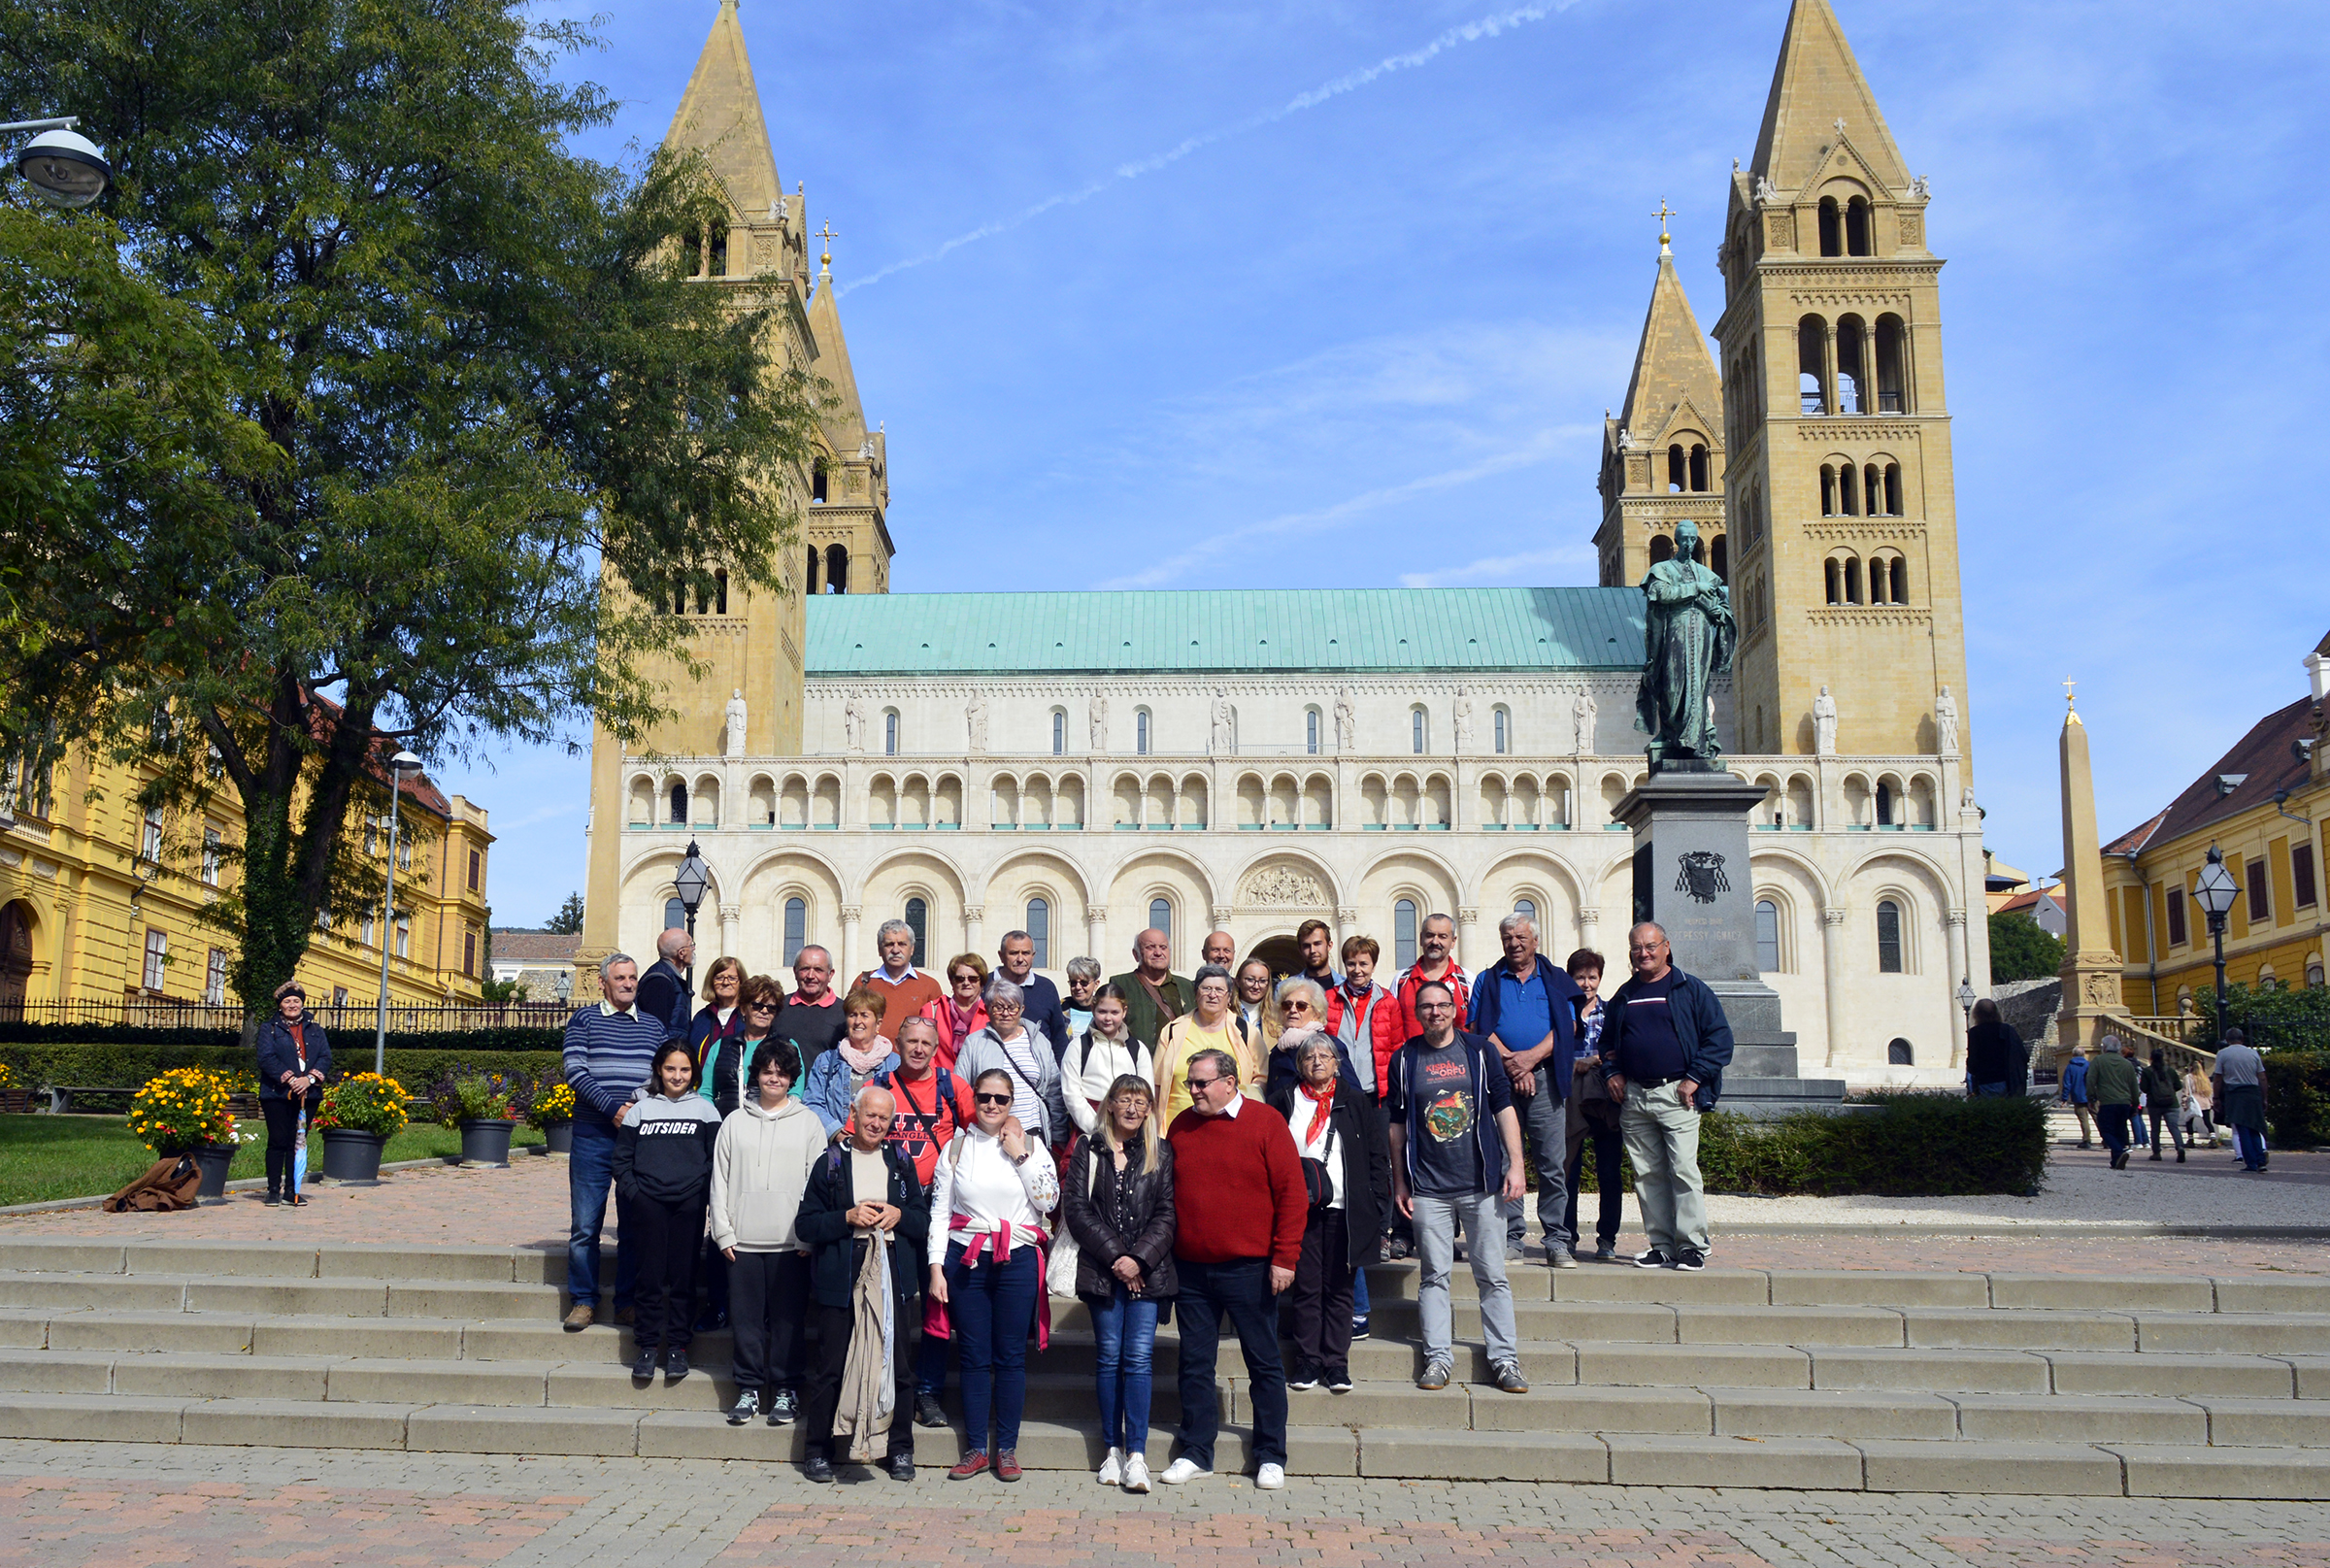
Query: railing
(2178, 1026)
(354, 1018)
(2185, 1057)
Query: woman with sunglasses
(994, 1188)
(725, 1054)
(720, 1018)
(963, 1010)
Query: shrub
(363, 1102)
(2297, 1097)
(113, 1065)
(2277, 1021)
(555, 1104)
(343, 1038)
(464, 1095)
(1902, 1144)
(181, 1110)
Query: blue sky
(1362, 332)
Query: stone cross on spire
(1664, 213)
(827, 235)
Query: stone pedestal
(1691, 875)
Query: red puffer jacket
(1385, 1027)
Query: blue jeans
(2250, 1144)
(589, 1173)
(1990, 1091)
(1359, 1293)
(1238, 1290)
(991, 1308)
(2113, 1120)
(1124, 1331)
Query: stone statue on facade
(736, 724)
(1946, 722)
(1347, 721)
(1098, 719)
(1225, 726)
(1824, 724)
(1687, 641)
(854, 724)
(1464, 719)
(975, 722)
(1584, 711)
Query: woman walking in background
(295, 1058)
(1117, 1203)
(994, 1187)
(2073, 1093)
(662, 1181)
(2162, 1088)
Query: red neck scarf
(1318, 1130)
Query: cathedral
(1083, 766)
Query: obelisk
(2091, 970)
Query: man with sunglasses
(1240, 1206)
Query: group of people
(2114, 1095)
(923, 1161)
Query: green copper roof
(1248, 629)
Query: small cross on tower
(1664, 213)
(828, 236)
(1840, 125)
(2068, 703)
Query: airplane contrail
(1488, 27)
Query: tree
(568, 921)
(2020, 951)
(360, 413)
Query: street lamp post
(66, 168)
(398, 766)
(690, 881)
(2214, 892)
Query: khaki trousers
(1662, 1139)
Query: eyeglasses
(994, 1099)
(1202, 1083)
(1436, 1006)
(966, 979)
(760, 1007)
(1298, 1005)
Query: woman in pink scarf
(963, 1013)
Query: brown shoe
(579, 1317)
(1007, 1465)
(625, 1316)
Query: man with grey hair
(1664, 1049)
(2111, 1084)
(1015, 961)
(903, 990)
(663, 993)
(1527, 1011)
(609, 1044)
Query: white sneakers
(1182, 1471)
(1112, 1468)
(1136, 1474)
(1271, 1477)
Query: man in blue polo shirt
(1528, 1010)
(1664, 1049)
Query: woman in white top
(1098, 1057)
(991, 1190)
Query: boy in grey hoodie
(760, 1165)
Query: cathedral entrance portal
(1281, 953)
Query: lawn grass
(46, 1157)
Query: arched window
(675, 915)
(1828, 490)
(1888, 937)
(1856, 227)
(1891, 383)
(679, 802)
(1039, 928)
(1698, 468)
(796, 928)
(917, 920)
(1504, 728)
(816, 481)
(1662, 548)
(720, 593)
(837, 569)
(1059, 733)
(1141, 732)
(1831, 230)
(1677, 470)
(1812, 364)
(1418, 730)
(1767, 936)
(679, 598)
(1526, 909)
(1893, 490)
(1311, 732)
(890, 732)
(809, 578)
(1899, 1053)
(1403, 933)
(1836, 581)
(1160, 916)
(1885, 804)
(1880, 584)
(1900, 569)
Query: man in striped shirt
(610, 1045)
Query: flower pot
(559, 1137)
(487, 1142)
(353, 1157)
(213, 1158)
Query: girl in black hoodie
(662, 1181)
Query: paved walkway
(91, 1505)
(526, 1205)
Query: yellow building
(2264, 804)
(101, 903)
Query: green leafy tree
(360, 413)
(568, 921)
(2020, 951)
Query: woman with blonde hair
(1118, 1202)
(1214, 1025)
(1254, 1003)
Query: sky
(1268, 294)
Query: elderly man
(1527, 1010)
(1240, 1209)
(609, 1047)
(811, 1016)
(1015, 961)
(862, 1195)
(1154, 995)
(663, 993)
(2239, 1083)
(932, 1104)
(1664, 1049)
(2111, 1082)
(903, 990)
(1220, 947)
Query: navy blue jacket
(835, 1254)
(1699, 1027)
(277, 1055)
(663, 996)
(1563, 998)
(1284, 1076)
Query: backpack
(927, 1121)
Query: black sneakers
(746, 1406)
(674, 1364)
(1652, 1259)
(929, 1412)
(785, 1408)
(1690, 1259)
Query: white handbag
(1060, 1273)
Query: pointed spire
(845, 420)
(719, 113)
(1673, 365)
(1817, 86)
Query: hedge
(2297, 1098)
(119, 1066)
(135, 1036)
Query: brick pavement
(115, 1506)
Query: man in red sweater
(1239, 1210)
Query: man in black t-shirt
(1664, 1048)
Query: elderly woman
(1084, 981)
(1347, 1169)
(295, 1058)
(1213, 1026)
(718, 1017)
(1116, 1201)
(855, 1060)
(1008, 1046)
(960, 1014)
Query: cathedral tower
(849, 547)
(1845, 549)
(1662, 458)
